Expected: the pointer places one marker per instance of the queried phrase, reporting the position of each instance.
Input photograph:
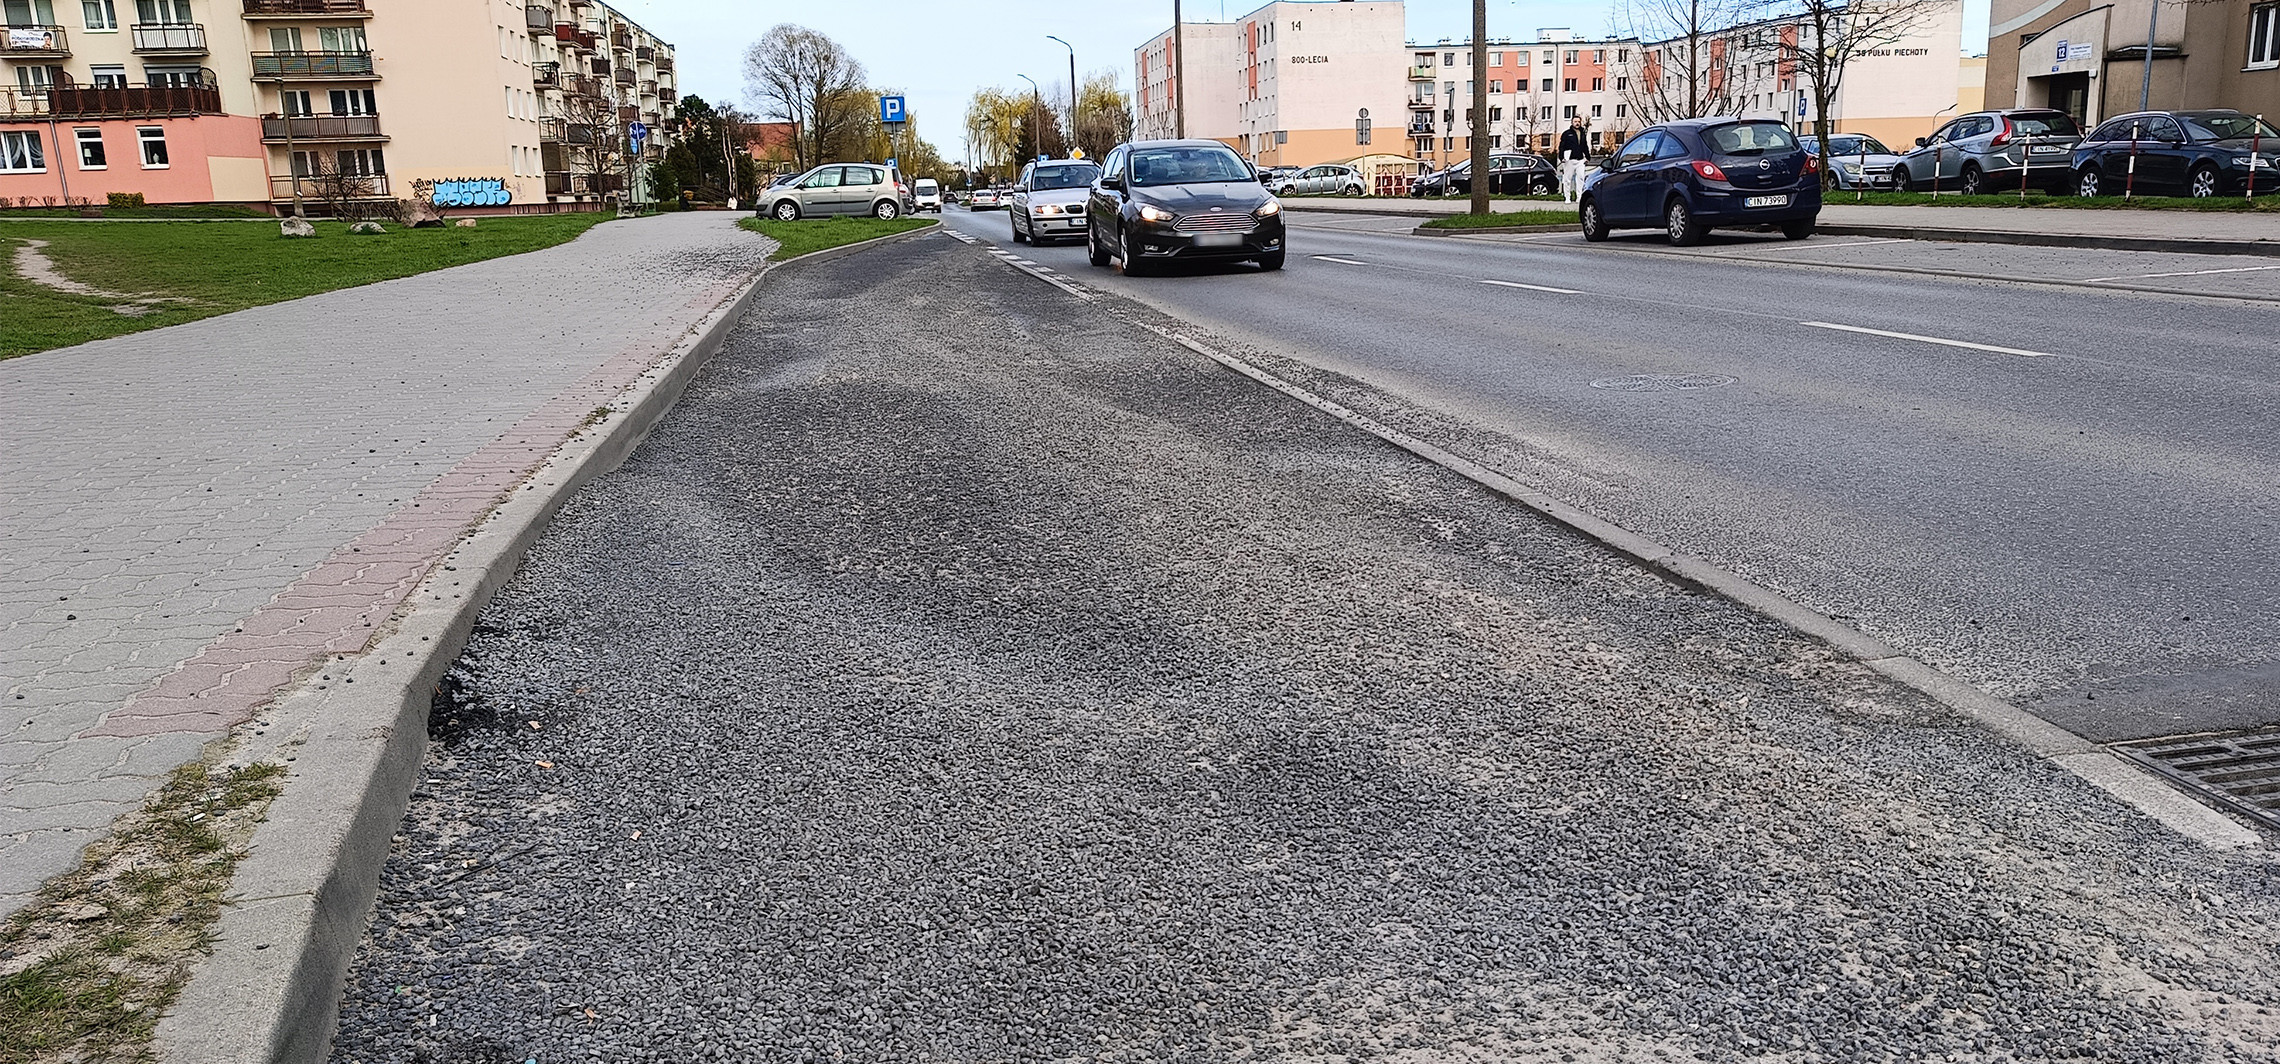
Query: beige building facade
(1292, 83)
(1213, 48)
(2091, 59)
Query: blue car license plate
(1766, 201)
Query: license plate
(2050, 149)
(1766, 201)
(1218, 240)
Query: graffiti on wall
(465, 192)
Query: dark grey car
(1993, 151)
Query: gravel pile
(962, 675)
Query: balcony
(599, 66)
(1421, 129)
(274, 128)
(666, 97)
(114, 101)
(546, 75)
(328, 186)
(332, 66)
(169, 38)
(582, 86)
(649, 87)
(306, 9)
(643, 53)
(623, 76)
(1421, 73)
(568, 35)
(665, 63)
(563, 131)
(539, 18)
(621, 39)
(24, 42)
(629, 113)
(1421, 103)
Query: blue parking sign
(890, 108)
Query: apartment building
(2092, 60)
(276, 101)
(1214, 53)
(1316, 80)
(1896, 89)
(1534, 90)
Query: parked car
(1158, 201)
(1986, 152)
(2178, 153)
(983, 199)
(1855, 160)
(1701, 174)
(1330, 178)
(838, 189)
(926, 194)
(1049, 200)
(1508, 175)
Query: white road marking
(1534, 287)
(1929, 340)
(1345, 262)
(1860, 243)
(2187, 273)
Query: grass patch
(2033, 199)
(155, 210)
(817, 234)
(1503, 220)
(88, 967)
(215, 269)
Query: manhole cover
(1663, 382)
(2240, 770)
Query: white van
(928, 193)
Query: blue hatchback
(1701, 174)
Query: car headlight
(1270, 210)
(1852, 170)
(1149, 212)
(1045, 208)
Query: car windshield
(1858, 146)
(1048, 177)
(1749, 138)
(2045, 124)
(925, 185)
(2228, 127)
(1186, 166)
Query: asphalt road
(962, 675)
(2081, 514)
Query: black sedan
(2178, 153)
(1508, 175)
(1158, 201)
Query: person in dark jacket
(1575, 147)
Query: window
(2264, 35)
(1496, 87)
(1594, 138)
(29, 12)
(1448, 143)
(1496, 58)
(1569, 58)
(109, 77)
(1468, 89)
(1547, 55)
(153, 141)
(35, 80)
(1620, 110)
(1595, 109)
(1599, 84)
(102, 15)
(1448, 59)
(1424, 145)
(20, 152)
(1496, 114)
(1568, 85)
(163, 12)
(341, 39)
(1547, 84)
(363, 162)
(179, 77)
(1570, 111)
(1547, 112)
(295, 101)
(1622, 55)
(90, 149)
(1641, 149)
(1496, 141)
(1622, 84)
(353, 102)
(284, 38)
(1599, 55)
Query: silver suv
(838, 188)
(1992, 151)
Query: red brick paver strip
(194, 518)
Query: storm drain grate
(1663, 382)
(2240, 770)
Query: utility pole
(1072, 130)
(1480, 107)
(1179, 75)
(2145, 83)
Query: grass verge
(198, 269)
(1502, 220)
(156, 210)
(798, 238)
(87, 968)
(2222, 204)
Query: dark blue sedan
(1701, 174)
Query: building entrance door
(2069, 93)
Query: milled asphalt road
(2089, 534)
(962, 674)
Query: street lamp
(1036, 104)
(1072, 130)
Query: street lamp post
(1036, 106)
(1179, 71)
(1072, 130)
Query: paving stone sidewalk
(194, 517)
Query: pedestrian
(1575, 147)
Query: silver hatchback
(838, 189)
(1329, 178)
(1993, 151)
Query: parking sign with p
(890, 108)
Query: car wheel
(1973, 180)
(887, 211)
(1133, 266)
(1797, 230)
(2086, 184)
(2203, 183)
(1016, 224)
(1094, 253)
(1272, 260)
(1539, 187)
(1684, 231)
(786, 211)
(1594, 223)
(1354, 190)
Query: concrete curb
(1564, 227)
(269, 991)
(2266, 248)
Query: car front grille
(1223, 222)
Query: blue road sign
(639, 132)
(1801, 106)
(891, 109)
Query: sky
(938, 53)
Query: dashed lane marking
(2186, 273)
(1942, 341)
(1535, 287)
(1343, 262)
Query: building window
(102, 15)
(1448, 59)
(1448, 143)
(1568, 84)
(1547, 111)
(153, 141)
(1622, 84)
(1496, 58)
(1621, 110)
(1599, 84)
(1569, 58)
(1496, 87)
(36, 80)
(295, 101)
(1595, 109)
(1496, 114)
(1622, 55)
(1547, 84)
(1424, 145)
(1599, 55)
(352, 102)
(109, 77)
(2264, 35)
(91, 149)
(1496, 141)
(1570, 111)
(1547, 55)
(364, 162)
(164, 12)
(1594, 138)
(20, 152)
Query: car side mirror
(1922, 141)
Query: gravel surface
(961, 674)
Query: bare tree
(1683, 66)
(804, 77)
(347, 195)
(1831, 33)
